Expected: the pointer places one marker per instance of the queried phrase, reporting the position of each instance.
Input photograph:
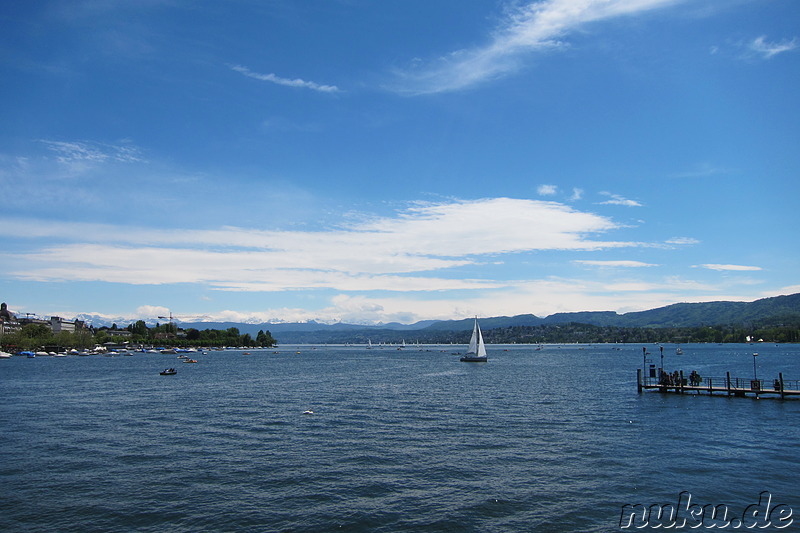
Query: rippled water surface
(555, 439)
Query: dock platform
(728, 385)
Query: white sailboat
(476, 353)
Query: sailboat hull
(472, 359)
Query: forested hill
(768, 311)
(779, 311)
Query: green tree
(35, 330)
(264, 339)
(83, 339)
(139, 328)
(64, 339)
(101, 337)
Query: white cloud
(790, 289)
(532, 27)
(718, 267)
(577, 194)
(682, 241)
(614, 264)
(541, 297)
(767, 49)
(547, 190)
(616, 199)
(395, 253)
(151, 311)
(287, 82)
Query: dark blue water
(411, 440)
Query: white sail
(481, 346)
(476, 345)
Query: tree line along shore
(34, 336)
(553, 334)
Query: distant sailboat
(477, 350)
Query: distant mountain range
(768, 311)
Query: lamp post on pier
(755, 376)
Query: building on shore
(58, 324)
(11, 324)
(8, 322)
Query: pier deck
(723, 385)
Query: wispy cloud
(69, 152)
(287, 82)
(766, 49)
(682, 241)
(703, 170)
(616, 199)
(615, 264)
(534, 26)
(546, 190)
(712, 266)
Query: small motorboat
(190, 360)
(168, 372)
(308, 412)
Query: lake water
(555, 439)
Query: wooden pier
(722, 385)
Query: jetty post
(780, 378)
(728, 382)
(639, 380)
(755, 385)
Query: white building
(58, 324)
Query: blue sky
(376, 161)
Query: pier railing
(738, 386)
